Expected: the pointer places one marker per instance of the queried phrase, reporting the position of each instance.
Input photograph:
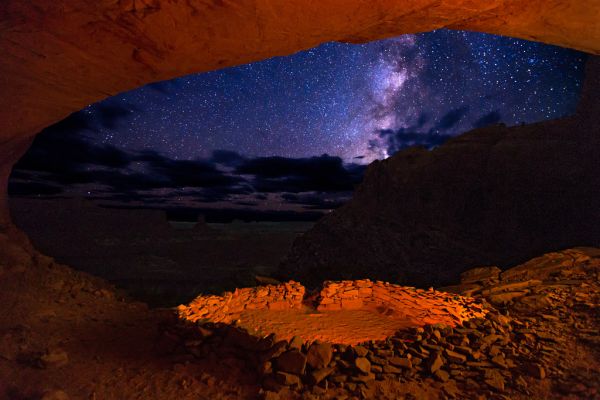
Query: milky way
(294, 134)
(335, 98)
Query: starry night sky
(295, 133)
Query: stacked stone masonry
(226, 307)
(416, 305)
(426, 306)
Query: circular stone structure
(344, 312)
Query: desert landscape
(450, 252)
(158, 262)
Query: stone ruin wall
(224, 308)
(417, 305)
(422, 306)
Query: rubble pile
(537, 322)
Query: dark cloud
(492, 118)
(63, 149)
(246, 203)
(106, 115)
(63, 160)
(324, 173)
(227, 158)
(403, 138)
(60, 163)
(65, 153)
(166, 87)
(451, 118)
(394, 140)
(109, 115)
(422, 120)
(182, 173)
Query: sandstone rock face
(493, 196)
(59, 56)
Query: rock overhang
(60, 56)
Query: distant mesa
(201, 226)
(87, 218)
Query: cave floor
(67, 335)
(343, 326)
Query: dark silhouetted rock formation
(492, 196)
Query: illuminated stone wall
(421, 306)
(226, 307)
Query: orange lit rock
(340, 314)
(319, 355)
(226, 308)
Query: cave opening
(519, 324)
(279, 143)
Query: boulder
(535, 370)
(319, 355)
(434, 362)
(483, 275)
(286, 379)
(318, 375)
(55, 395)
(53, 358)
(401, 362)
(360, 351)
(292, 361)
(494, 379)
(363, 365)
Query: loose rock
(292, 361)
(319, 355)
